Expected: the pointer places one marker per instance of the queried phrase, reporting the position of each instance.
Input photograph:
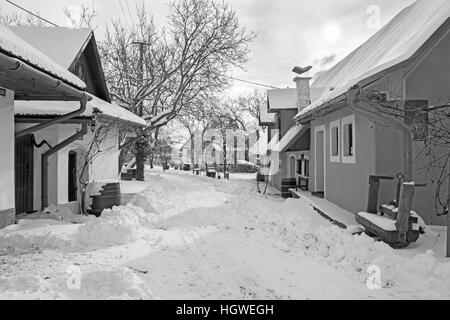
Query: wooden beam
(404, 210)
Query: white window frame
(316, 131)
(346, 121)
(335, 124)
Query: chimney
(303, 92)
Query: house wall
(346, 184)
(282, 172)
(430, 80)
(7, 193)
(104, 167)
(286, 120)
(389, 160)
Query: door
(320, 161)
(24, 174)
(73, 179)
(292, 165)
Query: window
(306, 174)
(80, 70)
(299, 167)
(335, 141)
(348, 140)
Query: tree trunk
(192, 151)
(224, 146)
(140, 160)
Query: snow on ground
(192, 237)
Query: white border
(345, 121)
(335, 124)
(316, 131)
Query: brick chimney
(303, 92)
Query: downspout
(44, 161)
(68, 116)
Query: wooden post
(404, 210)
(408, 155)
(372, 206)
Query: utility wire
(249, 82)
(32, 13)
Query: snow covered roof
(16, 47)
(62, 44)
(280, 99)
(266, 118)
(290, 137)
(395, 43)
(55, 108)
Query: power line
(250, 82)
(32, 13)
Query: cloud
(326, 60)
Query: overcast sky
(290, 32)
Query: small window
(80, 70)
(299, 167)
(335, 141)
(348, 139)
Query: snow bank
(295, 222)
(27, 287)
(118, 226)
(121, 284)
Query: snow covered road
(189, 237)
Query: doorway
(73, 178)
(292, 165)
(24, 174)
(320, 160)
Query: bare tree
(251, 105)
(155, 74)
(418, 122)
(17, 19)
(89, 152)
(197, 118)
(80, 16)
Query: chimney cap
(301, 70)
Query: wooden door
(73, 181)
(24, 174)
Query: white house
(25, 74)
(403, 68)
(50, 153)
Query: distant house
(49, 157)
(404, 64)
(25, 74)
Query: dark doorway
(73, 181)
(24, 174)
